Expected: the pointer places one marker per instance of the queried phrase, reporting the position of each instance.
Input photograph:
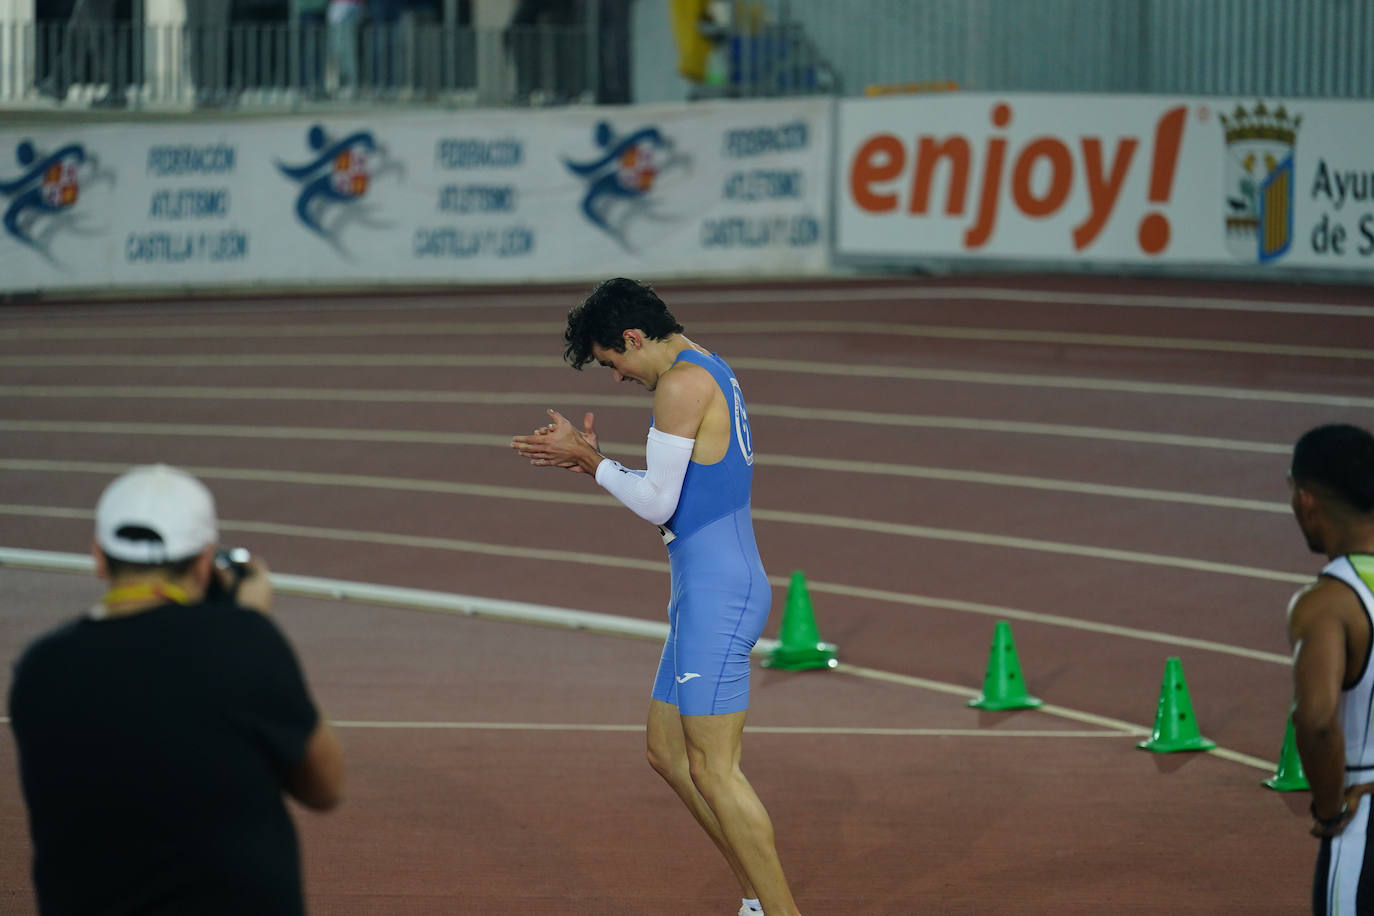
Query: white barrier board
(1107, 178)
(706, 189)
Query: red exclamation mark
(1154, 228)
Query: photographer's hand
(255, 588)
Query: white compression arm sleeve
(652, 494)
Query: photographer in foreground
(157, 733)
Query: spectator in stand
(542, 41)
(344, 16)
(310, 24)
(691, 21)
(417, 47)
(207, 50)
(613, 46)
(383, 17)
(86, 55)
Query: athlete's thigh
(664, 729)
(711, 652)
(715, 739)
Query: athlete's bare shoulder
(685, 379)
(681, 398)
(1322, 601)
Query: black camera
(232, 561)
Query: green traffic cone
(799, 644)
(1289, 777)
(1003, 687)
(1175, 727)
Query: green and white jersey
(1357, 703)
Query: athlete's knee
(662, 763)
(667, 761)
(709, 771)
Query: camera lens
(231, 560)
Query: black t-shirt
(153, 751)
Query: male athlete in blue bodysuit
(696, 489)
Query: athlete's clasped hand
(557, 444)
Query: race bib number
(742, 434)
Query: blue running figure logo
(338, 176)
(49, 185)
(625, 172)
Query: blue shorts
(717, 611)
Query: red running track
(1100, 461)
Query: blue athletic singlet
(720, 595)
(1345, 866)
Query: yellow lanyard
(137, 594)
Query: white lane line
(302, 478)
(884, 596)
(655, 566)
(1063, 712)
(342, 395)
(236, 431)
(862, 417)
(1019, 480)
(854, 731)
(800, 367)
(392, 328)
(1015, 335)
(842, 296)
(257, 360)
(828, 328)
(1028, 380)
(808, 519)
(294, 299)
(256, 330)
(397, 596)
(1054, 620)
(1013, 426)
(455, 545)
(421, 725)
(463, 604)
(1019, 543)
(416, 485)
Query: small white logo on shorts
(687, 677)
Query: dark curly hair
(1340, 459)
(612, 308)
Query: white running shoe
(745, 911)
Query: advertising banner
(706, 189)
(1134, 179)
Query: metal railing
(265, 64)
(1300, 48)
(1294, 48)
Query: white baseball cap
(155, 514)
